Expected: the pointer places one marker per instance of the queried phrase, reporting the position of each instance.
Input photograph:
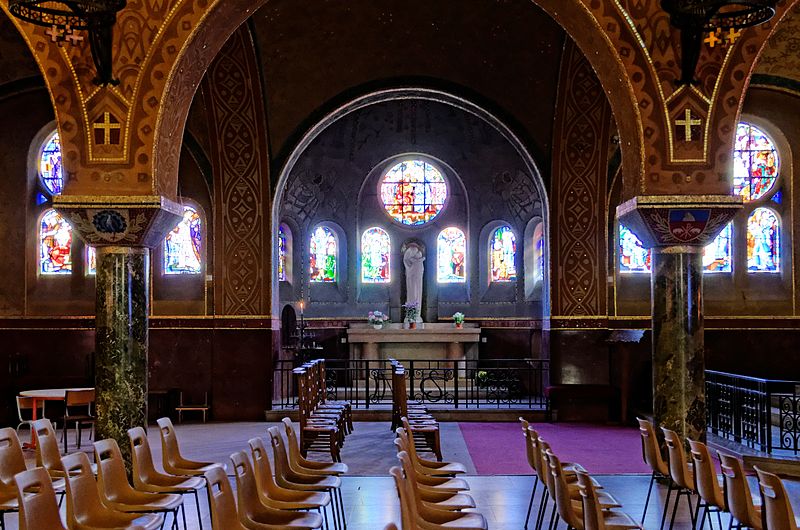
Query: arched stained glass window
(717, 254)
(375, 249)
(183, 245)
(763, 241)
(55, 244)
(413, 192)
(50, 164)
(323, 254)
(281, 254)
(451, 253)
(755, 163)
(91, 260)
(502, 255)
(538, 253)
(633, 257)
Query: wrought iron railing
(763, 414)
(496, 383)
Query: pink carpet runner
(499, 448)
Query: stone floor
(371, 500)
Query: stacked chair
(420, 424)
(430, 496)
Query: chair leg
(675, 510)
(666, 505)
(649, 491)
(542, 508)
(197, 505)
(530, 504)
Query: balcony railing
(445, 384)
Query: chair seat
(300, 521)
(335, 468)
(619, 521)
(167, 485)
(195, 471)
(467, 521)
(458, 501)
(450, 468)
(140, 501)
(453, 484)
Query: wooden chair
(776, 509)
(712, 499)
(173, 460)
(26, 403)
(324, 401)
(738, 498)
(424, 428)
(251, 509)
(147, 478)
(187, 407)
(651, 454)
(117, 493)
(38, 508)
(594, 517)
(222, 503)
(77, 410)
(682, 477)
(85, 510)
(318, 433)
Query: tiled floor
(371, 501)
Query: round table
(45, 394)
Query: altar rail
(495, 383)
(762, 414)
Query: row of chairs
(78, 411)
(98, 495)
(422, 426)
(282, 500)
(700, 481)
(431, 494)
(577, 498)
(323, 423)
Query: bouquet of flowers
(458, 318)
(376, 318)
(412, 312)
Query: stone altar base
(430, 341)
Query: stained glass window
(323, 255)
(281, 254)
(755, 162)
(413, 192)
(717, 254)
(763, 241)
(55, 244)
(375, 248)
(502, 255)
(182, 246)
(91, 260)
(633, 257)
(50, 164)
(538, 253)
(451, 253)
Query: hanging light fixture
(65, 17)
(695, 17)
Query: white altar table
(431, 341)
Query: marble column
(679, 401)
(121, 341)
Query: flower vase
(412, 325)
(377, 326)
(459, 325)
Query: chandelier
(695, 17)
(65, 17)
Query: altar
(428, 341)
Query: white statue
(413, 261)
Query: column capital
(678, 220)
(132, 221)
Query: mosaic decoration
(451, 253)
(375, 248)
(182, 245)
(413, 192)
(323, 254)
(281, 255)
(538, 253)
(502, 255)
(633, 257)
(91, 261)
(55, 244)
(755, 163)
(50, 170)
(763, 241)
(717, 254)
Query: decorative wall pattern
(580, 139)
(241, 180)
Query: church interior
(578, 213)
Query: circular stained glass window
(50, 164)
(755, 163)
(413, 192)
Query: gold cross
(712, 39)
(73, 37)
(733, 36)
(106, 126)
(687, 123)
(53, 33)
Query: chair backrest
(48, 454)
(592, 512)
(23, 403)
(38, 508)
(678, 466)
(651, 451)
(411, 482)
(291, 437)
(83, 498)
(775, 504)
(412, 447)
(112, 478)
(705, 475)
(544, 466)
(170, 450)
(246, 488)
(562, 495)
(79, 397)
(529, 446)
(737, 491)
(279, 452)
(12, 460)
(538, 465)
(262, 469)
(142, 463)
(221, 501)
(408, 512)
